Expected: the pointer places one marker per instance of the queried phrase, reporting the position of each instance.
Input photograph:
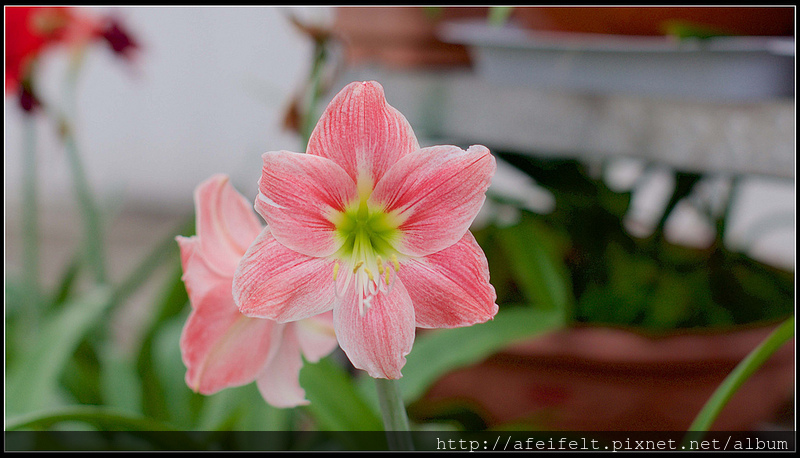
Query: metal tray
(742, 68)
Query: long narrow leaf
(121, 386)
(159, 435)
(439, 352)
(336, 405)
(101, 417)
(544, 281)
(737, 377)
(33, 383)
(164, 250)
(65, 285)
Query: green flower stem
(30, 221)
(310, 118)
(737, 377)
(395, 418)
(91, 215)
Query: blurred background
(645, 181)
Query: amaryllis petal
(199, 276)
(226, 224)
(316, 335)
(435, 192)
(221, 347)
(279, 381)
(379, 341)
(275, 282)
(362, 133)
(450, 288)
(298, 194)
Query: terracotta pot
(401, 36)
(604, 379)
(651, 20)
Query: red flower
(30, 30)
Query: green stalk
(746, 368)
(395, 418)
(310, 118)
(30, 221)
(91, 215)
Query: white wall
(207, 95)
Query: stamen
(357, 266)
(396, 263)
(380, 264)
(369, 274)
(388, 276)
(335, 270)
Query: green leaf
(172, 301)
(181, 402)
(104, 419)
(438, 352)
(498, 15)
(65, 285)
(81, 376)
(260, 416)
(335, 403)
(540, 273)
(747, 367)
(165, 250)
(32, 385)
(221, 410)
(684, 30)
(120, 384)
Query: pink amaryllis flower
(221, 347)
(371, 226)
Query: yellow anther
(335, 270)
(380, 264)
(357, 266)
(388, 272)
(396, 264)
(369, 274)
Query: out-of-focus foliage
(619, 279)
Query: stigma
(362, 276)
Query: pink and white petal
(226, 223)
(362, 133)
(435, 193)
(279, 382)
(379, 341)
(316, 336)
(199, 276)
(298, 195)
(450, 288)
(221, 347)
(275, 282)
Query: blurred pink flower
(373, 227)
(221, 347)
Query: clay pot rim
(623, 345)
